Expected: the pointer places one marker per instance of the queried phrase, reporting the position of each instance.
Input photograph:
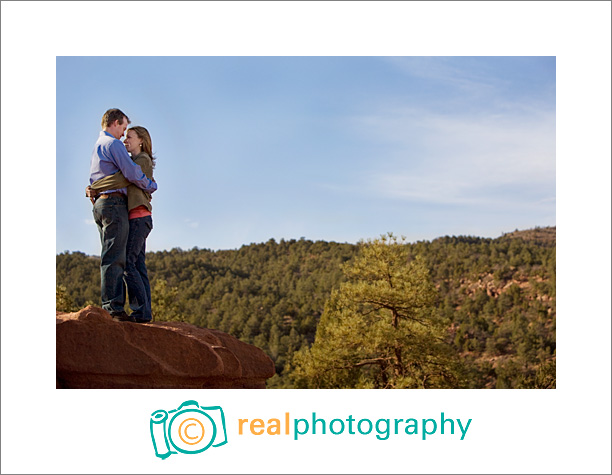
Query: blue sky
(332, 148)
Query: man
(110, 208)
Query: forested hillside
(495, 296)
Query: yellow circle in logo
(182, 431)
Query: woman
(139, 146)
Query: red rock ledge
(93, 351)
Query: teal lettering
(314, 423)
(350, 421)
(385, 432)
(359, 426)
(296, 430)
(412, 423)
(397, 421)
(463, 432)
(425, 431)
(443, 421)
(331, 426)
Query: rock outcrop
(93, 351)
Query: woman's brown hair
(147, 146)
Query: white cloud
(462, 159)
(463, 73)
(192, 223)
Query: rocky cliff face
(93, 351)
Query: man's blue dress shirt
(109, 157)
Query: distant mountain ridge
(498, 296)
(546, 235)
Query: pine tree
(379, 329)
(63, 302)
(165, 303)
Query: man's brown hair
(112, 115)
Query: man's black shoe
(122, 317)
(142, 320)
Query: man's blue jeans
(136, 278)
(111, 216)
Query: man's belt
(108, 195)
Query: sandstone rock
(93, 351)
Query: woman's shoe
(122, 317)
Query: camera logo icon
(189, 429)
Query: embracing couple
(121, 183)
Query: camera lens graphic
(191, 431)
(186, 424)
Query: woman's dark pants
(135, 276)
